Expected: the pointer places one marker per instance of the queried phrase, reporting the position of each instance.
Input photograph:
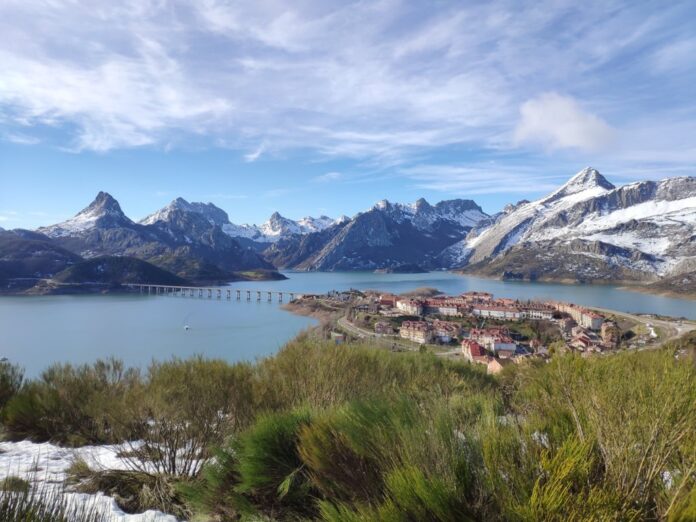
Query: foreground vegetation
(353, 433)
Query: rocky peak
(421, 204)
(103, 204)
(587, 179)
(214, 215)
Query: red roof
(475, 349)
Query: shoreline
(630, 286)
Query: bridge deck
(213, 292)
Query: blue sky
(321, 107)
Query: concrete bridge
(214, 292)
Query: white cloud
(21, 139)
(470, 180)
(329, 176)
(559, 122)
(381, 82)
(252, 156)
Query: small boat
(187, 327)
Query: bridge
(213, 292)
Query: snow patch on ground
(45, 465)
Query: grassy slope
(110, 270)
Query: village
(481, 328)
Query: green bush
(269, 466)
(14, 485)
(321, 375)
(11, 377)
(184, 408)
(69, 404)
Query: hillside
(590, 230)
(114, 271)
(386, 236)
(27, 256)
(184, 238)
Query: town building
(388, 300)
(493, 339)
(610, 334)
(445, 331)
(410, 306)
(537, 311)
(501, 312)
(582, 316)
(384, 328)
(474, 352)
(416, 331)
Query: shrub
(70, 405)
(182, 410)
(269, 466)
(11, 378)
(133, 491)
(14, 485)
(321, 375)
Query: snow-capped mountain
(214, 215)
(278, 227)
(185, 238)
(388, 235)
(103, 212)
(589, 226)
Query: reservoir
(37, 331)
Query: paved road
(671, 329)
(388, 341)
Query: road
(672, 329)
(388, 341)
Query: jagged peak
(382, 204)
(104, 203)
(587, 179)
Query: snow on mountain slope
(278, 227)
(657, 219)
(423, 215)
(215, 215)
(512, 227)
(103, 212)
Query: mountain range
(587, 230)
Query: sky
(324, 107)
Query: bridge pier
(258, 296)
(229, 294)
(280, 297)
(219, 293)
(292, 296)
(239, 295)
(248, 295)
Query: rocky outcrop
(386, 236)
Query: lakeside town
(478, 326)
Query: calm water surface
(36, 331)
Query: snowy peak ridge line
(215, 215)
(104, 211)
(653, 220)
(421, 214)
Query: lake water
(36, 331)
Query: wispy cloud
(328, 177)
(256, 153)
(383, 82)
(21, 139)
(471, 180)
(559, 122)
